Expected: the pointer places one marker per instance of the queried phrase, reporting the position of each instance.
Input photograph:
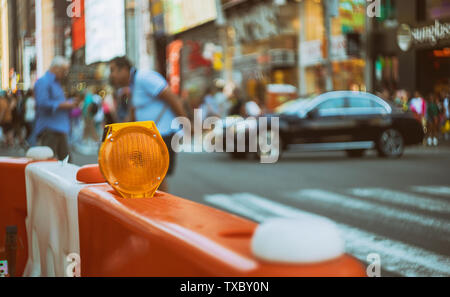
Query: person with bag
(152, 100)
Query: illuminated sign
(444, 53)
(184, 15)
(105, 30)
(78, 29)
(429, 35)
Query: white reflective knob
(298, 241)
(40, 153)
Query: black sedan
(340, 121)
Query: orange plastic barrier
(13, 206)
(167, 236)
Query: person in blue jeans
(152, 100)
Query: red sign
(79, 29)
(173, 65)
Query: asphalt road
(399, 209)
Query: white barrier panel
(52, 222)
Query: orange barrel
(167, 236)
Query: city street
(399, 209)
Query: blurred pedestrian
(221, 99)
(18, 114)
(76, 126)
(446, 107)
(418, 107)
(122, 98)
(209, 105)
(253, 108)
(52, 109)
(6, 119)
(152, 100)
(90, 109)
(30, 113)
(238, 103)
(109, 108)
(433, 120)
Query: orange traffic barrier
(13, 210)
(167, 236)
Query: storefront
(264, 40)
(193, 54)
(412, 50)
(348, 66)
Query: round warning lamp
(134, 159)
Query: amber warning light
(134, 159)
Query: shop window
(387, 72)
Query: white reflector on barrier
(298, 241)
(40, 153)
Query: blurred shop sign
(282, 57)
(184, 15)
(339, 47)
(311, 52)
(259, 23)
(245, 61)
(173, 65)
(429, 35)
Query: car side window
(331, 104)
(355, 102)
(377, 105)
(330, 107)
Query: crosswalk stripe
(395, 256)
(322, 197)
(404, 199)
(444, 191)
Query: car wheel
(356, 153)
(391, 144)
(275, 151)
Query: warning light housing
(134, 159)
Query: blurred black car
(343, 121)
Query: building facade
(261, 42)
(412, 46)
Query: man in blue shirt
(52, 109)
(152, 100)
